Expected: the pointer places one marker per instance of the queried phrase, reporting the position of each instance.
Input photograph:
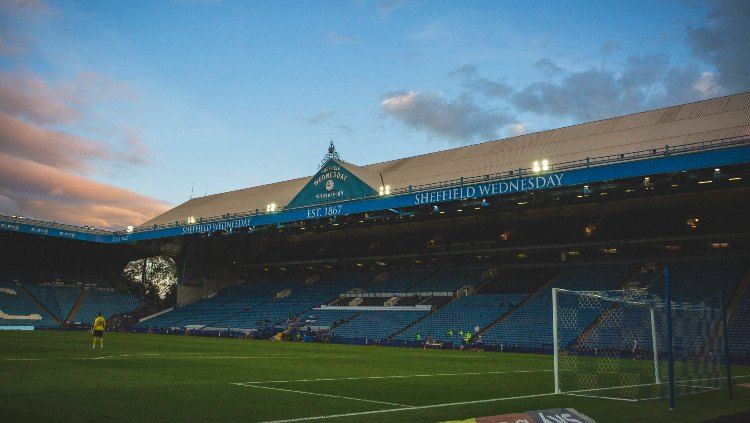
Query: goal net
(615, 345)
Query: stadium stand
(396, 281)
(58, 300)
(703, 279)
(694, 281)
(107, 302)
(327, 318)
(528, 327)
(463, 314)
(516, 314)
(376, 325)
(524, 279)
(219, 307)
(739, 329)
(450, 279)
(18, 309)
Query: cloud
(45, 192)
(643, 82)
(473, 83)
(466, 71)
(609, 47)
(320, 117)
(334, 37)
(48, 130)
(24, 6)
(346, 129)
(721, 53)
(724, 42)
(547, 67)
(461, 120)
(54, 148)
(28, 96)
(516, 129)
(436, 31)
(385, 7)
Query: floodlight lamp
(129, 229)
(535, 167)
(545, 165)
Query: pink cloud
(60, 149)
(24, 6)
(30, 97)
(45, 192)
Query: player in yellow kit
(98, 330)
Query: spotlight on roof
(540, 166)
(384, 190)
(270, 208)
(191, 220)
(129, 229)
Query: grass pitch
(56, 376)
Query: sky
(112, 112)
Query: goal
(632, 345)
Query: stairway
(630, 282)
(523, 303)
(39, 303)
(436, 308)
(76, 306)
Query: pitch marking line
(579, 393)
(416, 407)
(191, 356)
(390, 377)
(320, 395)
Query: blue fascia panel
(526, 183)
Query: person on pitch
(97, 330)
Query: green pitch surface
(56, 376)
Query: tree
(157, 285)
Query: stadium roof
(713, 119)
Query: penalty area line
(413, 408)
(320, 394)
(504, 372)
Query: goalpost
(632, 345)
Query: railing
(511, 174)
(47, 224)
(667, 150)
